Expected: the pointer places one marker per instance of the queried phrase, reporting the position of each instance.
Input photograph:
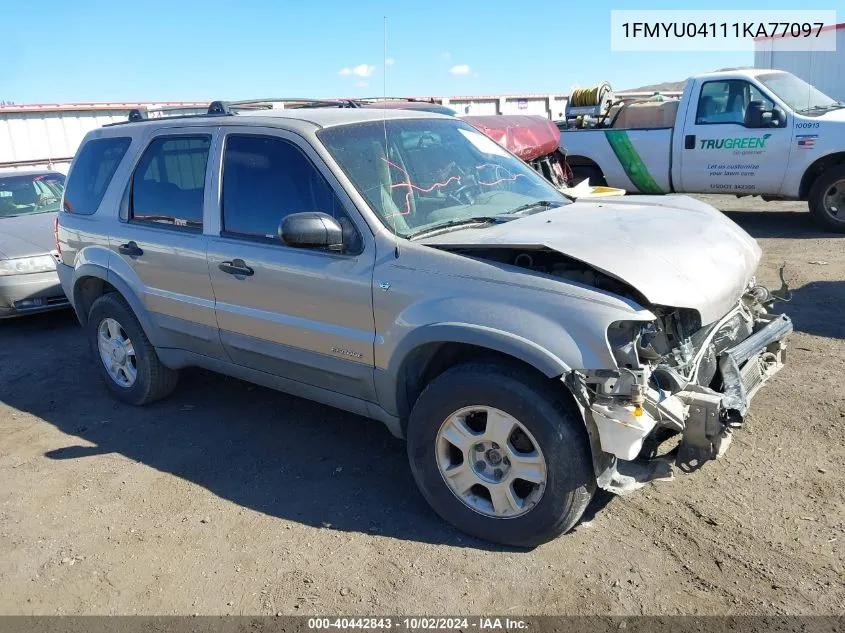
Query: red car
(535, 139)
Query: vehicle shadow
(817, 308)
(791, 224)
(279, 455)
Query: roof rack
(409, 99)
(227, 108)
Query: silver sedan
(29, 201)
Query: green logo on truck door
(631, 162)
(737, 142)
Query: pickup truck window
(727, 102)
(797, 93)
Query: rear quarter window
(91, 174)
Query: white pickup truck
(741, 132)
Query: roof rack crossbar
(409, 99)
(225, 107)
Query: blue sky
(96, 50)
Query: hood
(27, 235)
(833, 116)
(674, 250)
(527, 136)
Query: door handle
(236, 267)
(131, 249)
(689, 141)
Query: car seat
(737, 108)
(25, 196)
(706, 109)
(373, 173)
(7, 204)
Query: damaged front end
(680, 384)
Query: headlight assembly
(624, 338)
(27, 265)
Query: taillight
(56, 235)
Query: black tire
(582, 172)
(538, 405)
(154, 381)
(815, 200)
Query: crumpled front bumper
(745, 368)
(704, 418)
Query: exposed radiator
(752, 376)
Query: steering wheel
(467, 191)
(43, 200)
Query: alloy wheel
(117, 353)
(491, 461)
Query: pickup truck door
(725, 148)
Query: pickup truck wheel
(583, 172)
(496, 452)
(127, 360)
(827, 199)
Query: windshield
(797, 93)
(420, 174)
(26, 194)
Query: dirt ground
(231, 498)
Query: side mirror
(754, 115)
(778, 117)
(311, 229)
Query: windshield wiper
(816, 108)
(539, 204)
(481, 220)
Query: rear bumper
(27, 294)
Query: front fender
(553, 340)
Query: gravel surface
(231, 498)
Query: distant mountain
(666, 86)
(672, 86)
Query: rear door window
(168, 183)
(92, 172)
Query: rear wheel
(583, 172)
(827, 199)
(497, 452)
(124, 355)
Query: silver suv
(403, 266)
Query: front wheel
(497, 452)
(827, 199)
